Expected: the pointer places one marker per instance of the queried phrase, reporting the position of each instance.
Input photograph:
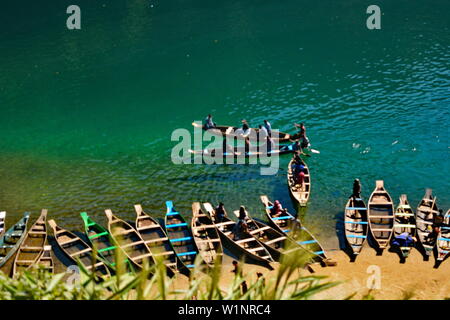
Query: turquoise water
(86, 116)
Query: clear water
(86, 116)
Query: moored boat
(129, 240)
(425, 213)
(206, 236)
(404, 226)
(381, 216)
(45, 261)
(180, 237)
(32, 246)
(443, 241)
(12, 239)
(300, 193)
(239, 133)
(240, 242)
(104, 244)
(291, 226)
(77, 250)
(277, 243)
(156, 239)
(355, 224)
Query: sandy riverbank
(415, 279)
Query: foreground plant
(152, 283)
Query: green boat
(101, 239)
(12, 239)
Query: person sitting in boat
(243, 213)
(245, 126)
(263, 133)
(268, 127)
(302, 130)
(277, 209)
(295, 147)
(305, 142)
(356, 190)
(438, 221)
(209, 123)
(220, 211)
(404, 240)
(240, 229)
(300, 179)
(297, 164)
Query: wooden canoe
(12, 239)
(32, 246)
(129, 240)
(156, 239)
(299, 193)
(405, 222)
(101, 239)
(443, 241)
(238, 133)
(241, 152)
(45, 261)
(356, 225)
(278, 244)
(2, 222)
(180, 236)
(381, 216)
(426, 210)
(291, 226)
(245, 245)
(77, 250)
(206, 236)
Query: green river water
(86, 115)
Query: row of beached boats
(391, 226)
(178, 245)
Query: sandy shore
(415, 279)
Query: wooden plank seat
(142, 256)
(225, 223)
(81, 252)
(259, 230)
(132, 244)
(380, 203)
(256, 249)
(211, 240)
(26, 262)
(156, 240)
(245, 240)
(29, 248)
(152, 226)
(63, 243)
(276, 240)
(165, 253)
(381, 217)
(123, 232)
